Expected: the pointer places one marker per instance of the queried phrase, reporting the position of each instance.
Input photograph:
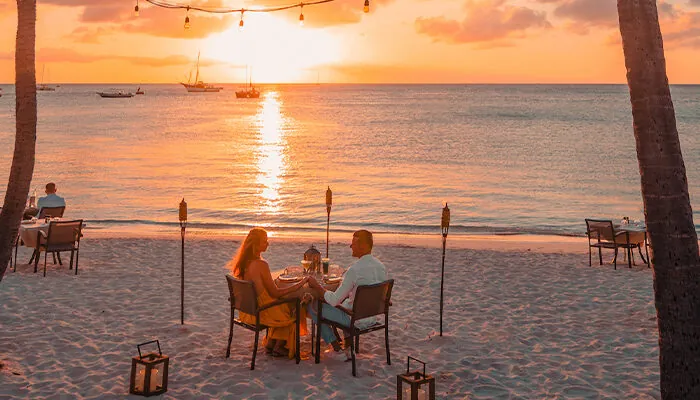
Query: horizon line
(364, 83)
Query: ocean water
(506, 158)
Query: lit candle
(421, 394)
(141, 377)
(139, 380)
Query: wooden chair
(603, 235)
(51, 212)
(370, 301)
(244, 298)
(61, 236)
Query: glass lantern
(419, 385)
(313, 255)
(149, 372)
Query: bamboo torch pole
(183, 225)
(445, 226)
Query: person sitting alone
(51, 199)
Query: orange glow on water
(271, 159)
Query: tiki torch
(183, 226)
(445, 226)
(329, 203)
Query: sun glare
(271, 161)
(276, 50)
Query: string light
(215, 10)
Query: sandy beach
(524, 319)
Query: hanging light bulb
(366, 7)
(136, 9)
(301, 16)
(240, 24)
(187, 18)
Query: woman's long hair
(247, 252)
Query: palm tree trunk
(25, 136)
(669, 218)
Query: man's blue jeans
(330, 313)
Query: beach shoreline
(504, 242)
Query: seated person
(248, 265)
(51, 199)
(367, 270)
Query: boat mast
(196, 78)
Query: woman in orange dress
(248, 265)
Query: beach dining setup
(45, 230)
(369, 301)
(623, 236)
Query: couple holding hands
(249, 265)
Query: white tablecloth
(28, 232)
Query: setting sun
(275, 49)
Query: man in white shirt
(51, 199)
(366, 270)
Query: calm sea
(507, 158)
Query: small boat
(45, 88)
(249, 92)
(199, 86)
(116, 94)
(139, 91)
(42, 87)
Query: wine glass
(306, 265)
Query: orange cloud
(492, 22)
(72, 56)
(338, 12)
(585, 14)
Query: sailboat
(199, 86)
(42, 86)
(249, 92)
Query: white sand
(518, 323)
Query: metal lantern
(313, 255)
(416, 382)
(149, 372)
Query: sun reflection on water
(271, 157)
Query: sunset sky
(399, 41)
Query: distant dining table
(634, 234)
(29, 232)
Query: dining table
(29, 232)
(637, 234)
(292, 275)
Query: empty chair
(370, 301)
(61, 236)
(244, 298)
(51, 212)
